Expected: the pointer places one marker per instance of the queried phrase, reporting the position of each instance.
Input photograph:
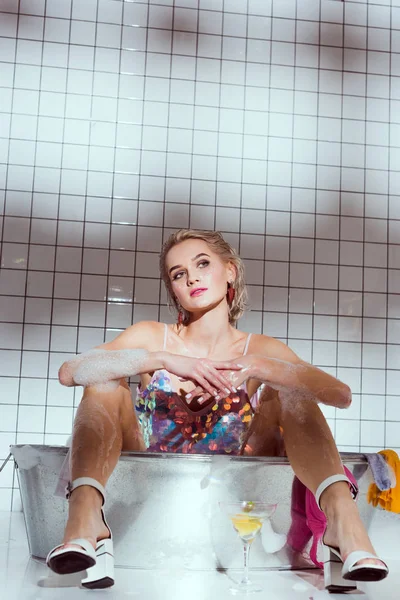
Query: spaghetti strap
(165, 336)
(247, 345)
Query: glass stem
(246, 552)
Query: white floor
(25, 579)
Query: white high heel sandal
(339, 574)
(98, 563)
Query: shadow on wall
(8, 6)
(175, 31)
(321, 253)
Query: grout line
(27, 258)
(340, 215)
(133, 316)
(85, 197)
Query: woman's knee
(113, 400)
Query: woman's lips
(198, 292)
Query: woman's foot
(345, 530)
(85, 519)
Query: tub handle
(5, 462)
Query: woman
(206, 387)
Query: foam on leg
(96, 424)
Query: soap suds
(106, 367)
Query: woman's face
(198, 276)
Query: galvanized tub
(164, 509)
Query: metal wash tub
(163, 508)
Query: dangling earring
(231, 292)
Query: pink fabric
(316, 519)
(299, 532)
(307, 518)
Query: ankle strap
(334, 479)
(84, 481)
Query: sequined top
(169, 424)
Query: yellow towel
(389, 499)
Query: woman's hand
(236, 372)
(211, 376)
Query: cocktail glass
(247, 519)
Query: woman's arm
(128, 354)
(279, 367)
(131, 353)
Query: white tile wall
(275, 121)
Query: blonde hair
(225, 251)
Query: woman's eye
(202, 264)
(176, 276)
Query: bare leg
(313, 455)
(105, 424)
(265, 436)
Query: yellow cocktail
(247, 526)
(247, 519)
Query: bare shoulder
(144, 334)
(273, 348)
